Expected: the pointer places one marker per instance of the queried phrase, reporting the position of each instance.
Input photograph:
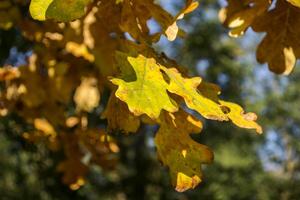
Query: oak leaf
(240, 14)
(187, 88)
(244, 120)
(172, 31)
(148, 93)
(177, 150)
(281, 46)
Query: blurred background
(246, 166)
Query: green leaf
(147, 94)
(60, 10)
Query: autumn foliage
(84, 51)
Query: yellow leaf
(38, 9)
(145, 92)
(295, 2)
(177, 150)
(79, 50)
(60, 10)
(238, 117)
(148, 93)
(187, 88)
(172, 30)
(185, 182)
(190, 6)
(281, 46)
(44, 126)
(72, 121)
(87, 95)
(203, 98)
(239, 15)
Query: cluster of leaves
(87, 49)
(279, 19)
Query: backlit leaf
(239, 15)
(147, 94)
(187, 88)
(60, 10)
(238, 117)
(295, 2)
(177, 150)
(281, 46)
